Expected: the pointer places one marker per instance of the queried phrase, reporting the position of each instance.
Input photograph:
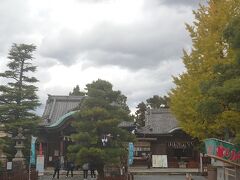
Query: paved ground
(136, 177)
(141, 173)
(62, 177)
(165, 177)
(144, 170)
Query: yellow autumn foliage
(209, 48)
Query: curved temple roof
(58, 108)
(61, 120)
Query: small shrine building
(163, 138)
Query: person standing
(92, 170)
(70, 167)
(149, 160)
(85, 168)
(57, 166)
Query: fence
(18, 175)
(231, 174)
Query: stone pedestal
(3, 157)
(3, 160)
(19, 164)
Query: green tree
(98, 120)
(156, 101)
(197, 110)
(18, 98)
(140, 113)
(76, 92)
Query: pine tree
(99, 140)
(156, 101)
(198, 112)
(18, 98)
(140, 113)
(76, 92)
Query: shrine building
(161, 136)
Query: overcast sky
(134, 44)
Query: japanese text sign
(223, 150)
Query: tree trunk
(100, 173)
(20, 84)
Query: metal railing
(230, 174)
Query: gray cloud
(145, 83)
(16, 25)
(175, 3)
(150, 47)
(180, 2)
(91, 1)
(192, 3)
(137, 46)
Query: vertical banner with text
(130, 153)
(40, 165)
(33, 151)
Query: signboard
(40, 165)
(130, 153)
(159, 161)
(223, 150)
(9, 165)
(56, 152)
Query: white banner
(40, 165)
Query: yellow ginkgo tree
(195, 99)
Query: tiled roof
(158, 121)
(126, 124)
(57, 106)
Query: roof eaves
(61, 120)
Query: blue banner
(33, 151)
(130, 153)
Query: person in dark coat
(149, 160)
(57, 166)
(70, 167)
(92, 170)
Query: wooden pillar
(40, 149)
(201, 163)
(61, 147)
(46, 154)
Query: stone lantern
(3, 157)
(19, 160)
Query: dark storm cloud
(137, 46)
